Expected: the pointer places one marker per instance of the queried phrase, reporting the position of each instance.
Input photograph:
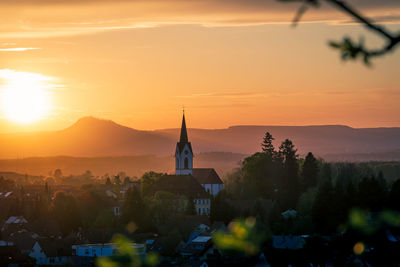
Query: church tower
(183, 153)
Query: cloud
(12, 77)
(239, 95)
(18, 49)
(49, 18)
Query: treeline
(321, 194)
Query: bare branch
(349, 49)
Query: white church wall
(180, 161)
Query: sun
(25, 96)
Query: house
(184, 185)
(198, 247)
(14, 221)
(103, 250)
(209, 180)
(289, 214)
(4, 195)
(49, 252)
(23, 240)
(10, 229)
(45, 228)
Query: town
(290, 208)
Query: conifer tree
(310, 171)
(290, 177)
(266, 145)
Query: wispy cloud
(18, 49)
(50, 18)
(225, 95)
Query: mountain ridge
(93, 137)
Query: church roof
(206, 176)
(184, 137)
(180, 185)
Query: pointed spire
(184, 136)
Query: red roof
(180, 185)
(206, 176)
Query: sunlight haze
(139, 63)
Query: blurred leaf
(242, 236)
(127, 255)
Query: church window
(186, 163)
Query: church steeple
(184, 136)
(183, 153)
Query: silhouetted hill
(325, 140)
(92, 137)
(88, 137)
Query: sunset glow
(239, 62)
(25, 96)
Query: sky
(236, 62)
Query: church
(207, 177)
(198, 184)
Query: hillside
(91, 137)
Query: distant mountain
(88, 137)
(92, 137)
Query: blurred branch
(349, 49)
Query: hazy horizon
(22, 129)
(228, 63)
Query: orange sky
(228, 63)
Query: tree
(394, 196)
(221, 210)
(117, 180)
(66, 212)
(92, 204)
(6, 184)
(108, 181)
(104, 220)
(258, 175)
(127, 180)
(310, 171)
(371, 194)
(148, 180)
(266, 145)
(170, 242)
(349, 49)
(289, 184)
(321, 210)
(133, 209)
